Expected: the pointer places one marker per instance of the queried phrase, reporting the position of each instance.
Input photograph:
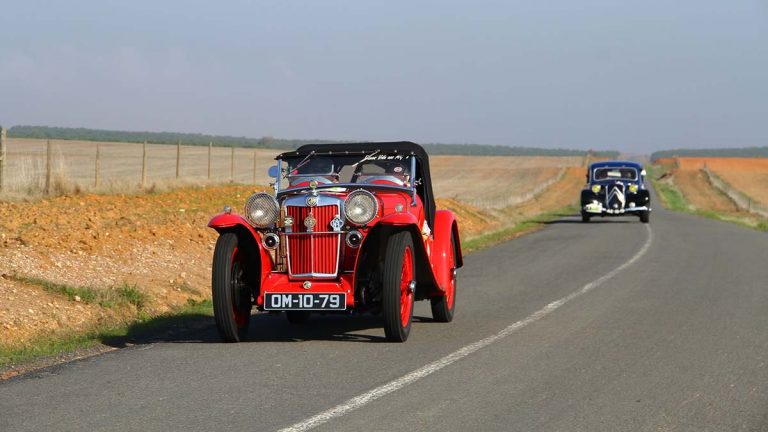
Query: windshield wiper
(301, 164)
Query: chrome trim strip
(290, 234)
(413, 181)
(321, 187)
(279, 175)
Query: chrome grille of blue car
(615, 197)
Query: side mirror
(643, 173)
(273, 171)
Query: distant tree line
(720, 152)
(83, 134)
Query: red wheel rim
(450, 293)
(406, 296)
(236, 285)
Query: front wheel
(399, 287)
(444, 307)
(231, 294)
(585, 216)
(645, 216)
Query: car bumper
(598, 209)
(280, 283)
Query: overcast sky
(635, 76)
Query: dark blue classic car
(615, 188)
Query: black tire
(585, 217)
(397, 302)
(444, 307)
(297, 316)
(645, 216)
(231, 294)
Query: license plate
(305, 301)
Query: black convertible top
(424, 189)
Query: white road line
(392, 386)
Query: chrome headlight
(595, 188)
(633, 188)
(360, 207)
(262, 210)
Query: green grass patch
(671, 198)
(122, 295)
(47, 346)
(114, 335)
(86, 295)
(132, 295)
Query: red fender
(228, 220)
(402, 221)
(445, 226)
(399, 219)
(225, 222)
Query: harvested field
(563, 192)
(730, 192)
(494, 181)
(727, 164)
(747, 175)
(754, 184)
(665, 161)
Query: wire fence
(31, 166)
(35, 167)
(739, 198)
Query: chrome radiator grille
(615, 197)
(313, 252)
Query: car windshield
(376, 168)
(615, 173)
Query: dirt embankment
(748, 176)
(699, 193)
(156, 246)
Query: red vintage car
(350, 228)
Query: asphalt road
(609, 326)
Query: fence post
(144, 165)
(48, 167)
(210, 147)
(254, 167)
(178, 158)
(2, 158)
(97, 174)
(232, 166)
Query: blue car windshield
(615, 173)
